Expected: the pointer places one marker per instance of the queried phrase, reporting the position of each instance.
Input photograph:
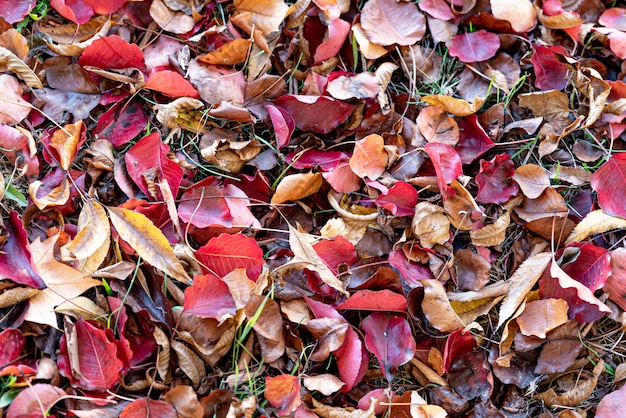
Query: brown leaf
(170, 20)
(10, 297)
(189, 362)
(326, 384)
(15, 65)
(472, 270)
(232, 53)
(493, 234)
(265, 15)
(163, 363)
(185, 400)
(268, 326)
(437, 309)
(437, 126)
(576, 395)
(297, 186)
(430, 225)
(149, 242)
(542, 316)
(532, 179)
(13, 108)
(55, 197)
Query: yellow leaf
(63, 283)
(231, 53)
(595, 222)
(149, 242)
(458, 107)
(56, 197)
(265, 15)
(65, 141)
(93, 231)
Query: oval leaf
(475, 46)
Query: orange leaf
(232, 53)
(369, 158)
(297, 186)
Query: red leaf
(31, 400)
(96, 356)
(474, 46)
(148, 159)
(15, 260)
(590, 267)
(439, 9)
(11, 344)
(336, 252)
(203, 206)
(390, 339)
(209, 297)
(13, 11)
(609, 182)
(112, 53)
(473, 140)
(14, 144)
(106, 7)
(283, 125)
(343, 179)
(400, 199)
(614, 18)
(283, 391)
(411, 272)
(583, 305)
(549, 72)
(457, 345)
(148, 408)
(495, 180)
(375, 300)
(121, 123)
(317, 114)
(75, 10)
(171, 84)
(224, 253)
(446, 161)
(338, 30)
(325, 160)
(352, 360)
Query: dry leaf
(596, 222)
(430, 224)
(15, 65)
(542, 316)
(297, 186)
(437, 309)
(149, 242)
(576, 395)
(458, 107)
(56, 197)
(189, 362)
(326, 384)
(493, 234)
(93, 232)
(532, 179)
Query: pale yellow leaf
(93, 232)
(163, 362)
(17, 67)
(149, 242)
(81, 306)
(520, 283)
(326, 384)
(595, 222)
(519, 13)
(63, 283)
(265, 15)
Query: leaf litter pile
(326, 208)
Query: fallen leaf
(542, 316)
(296, 187)
(149, 408)
(610, 184)
(226, 253)
(521, 14)
(283, 392)
(387, 22)
(474, 46)
(369, 158)
(93, 231)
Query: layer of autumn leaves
(325, 208)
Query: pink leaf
(609, 182)
(112, 53)
(77, 11)
(343, 179)
(15, 260)
(446, 161)
(338, 30)
(30, 401)
(319, 114)
(390, 339)
(283, 125)
(583, 305)
(475, 46)
(106, 7)
(96, 357)
(614, 18)
(325, 160)
(203, 206)
(352, 360)
(439, 9)
(375, 300)
(148, 159)
(550, 74)
(369, 158)
(14, 144)
(400, 199)
(11, 345)
(336, 252)
(495, 180)
(171, 84)
(226, 252)
(590, 267)
(148, 408)
(13, 11)
(616, 283)
(473, 140)
(612, 405)
(209, 297)
(411, 272)
(121, 123)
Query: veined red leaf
(591, 266)
(203, 206)
(88, 358)
(609, 181)
(474, 46)
(319, 114)
(495, 180)
(171, 84)
(226, 252)
(112, 52)
(121, 123)
(400, 199)
(550, 73)
(390, 339)
(336, 252)
(15, 259)
(283, 125)
(209, 297)
(375, 300)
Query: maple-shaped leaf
(609, 182)
(148, 408)
(474, 46)
(400, 199)
(225, 253)
(171, 84)
(390, 339)
(209, 297)
(63, 283)
(147, 164)
(495, 180)
(319, 114)
(88, 358)
(283, 392)
(121, 123)
(550, 73)
(16, 262)
(112, 52)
